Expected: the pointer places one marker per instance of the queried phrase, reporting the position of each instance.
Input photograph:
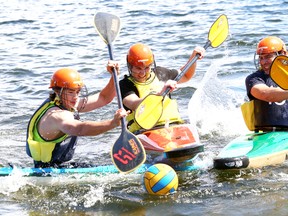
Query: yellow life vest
(40, 149)
(247, 109)
(265, 116)
(170, 107)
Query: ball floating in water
(160, 179)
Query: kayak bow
(254, 151)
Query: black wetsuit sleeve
(127, 88)
(165, 74)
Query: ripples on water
(37, 37)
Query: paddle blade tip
(219, 31)
(128, 152)
(107, 25)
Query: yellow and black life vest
(265, 116)
(170, 107)
(37, 147)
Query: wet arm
(89, 128)
(269, 94)
(107, 94)
(191, 71)
(132, 101)
(100, 99)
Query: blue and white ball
(160, 179)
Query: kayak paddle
(150, 110)
(279, 71)
(127, 152)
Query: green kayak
(254, 151)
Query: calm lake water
(38, 37)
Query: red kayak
(179, 142)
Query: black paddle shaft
(116, 81)
(185, 69)
(127, 152)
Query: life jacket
(170, 107)
(266, 116)
(54, 151)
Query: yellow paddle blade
(149, 111)
(279, 71)
(219, 31)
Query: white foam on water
(215, 108)
(13, 183)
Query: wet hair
(53, 94)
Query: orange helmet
(269, 45)
(140, 55)
(66, 78)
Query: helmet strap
(154, 62)
(57, 101)
(256, 61)
(128, 66)
(83, 97)
(61, 97)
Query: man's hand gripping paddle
(150, 109)
(127, 152)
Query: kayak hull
(177, 146)
(253, 151)
(188, 165)
(178, 142)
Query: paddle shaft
(127, 152)
(186, 68)
(117, 87)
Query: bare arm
(269, 94)
(191, 71)
(107, 93)
(100, 99)
(87, 128)
(57, 122)
(132, 101)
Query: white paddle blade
(107, 25)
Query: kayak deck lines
(253, 151)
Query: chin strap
(57, 101)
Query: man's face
(266, 61)
(140, 73)
(70, 98)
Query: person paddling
(145, 78)
(54, 127)
(267, 100)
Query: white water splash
(215, 108)
(93, 196)
(14, 182)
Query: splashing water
(216, 108)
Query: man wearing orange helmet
(270, 105)
(54, 127)
(144, 78)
